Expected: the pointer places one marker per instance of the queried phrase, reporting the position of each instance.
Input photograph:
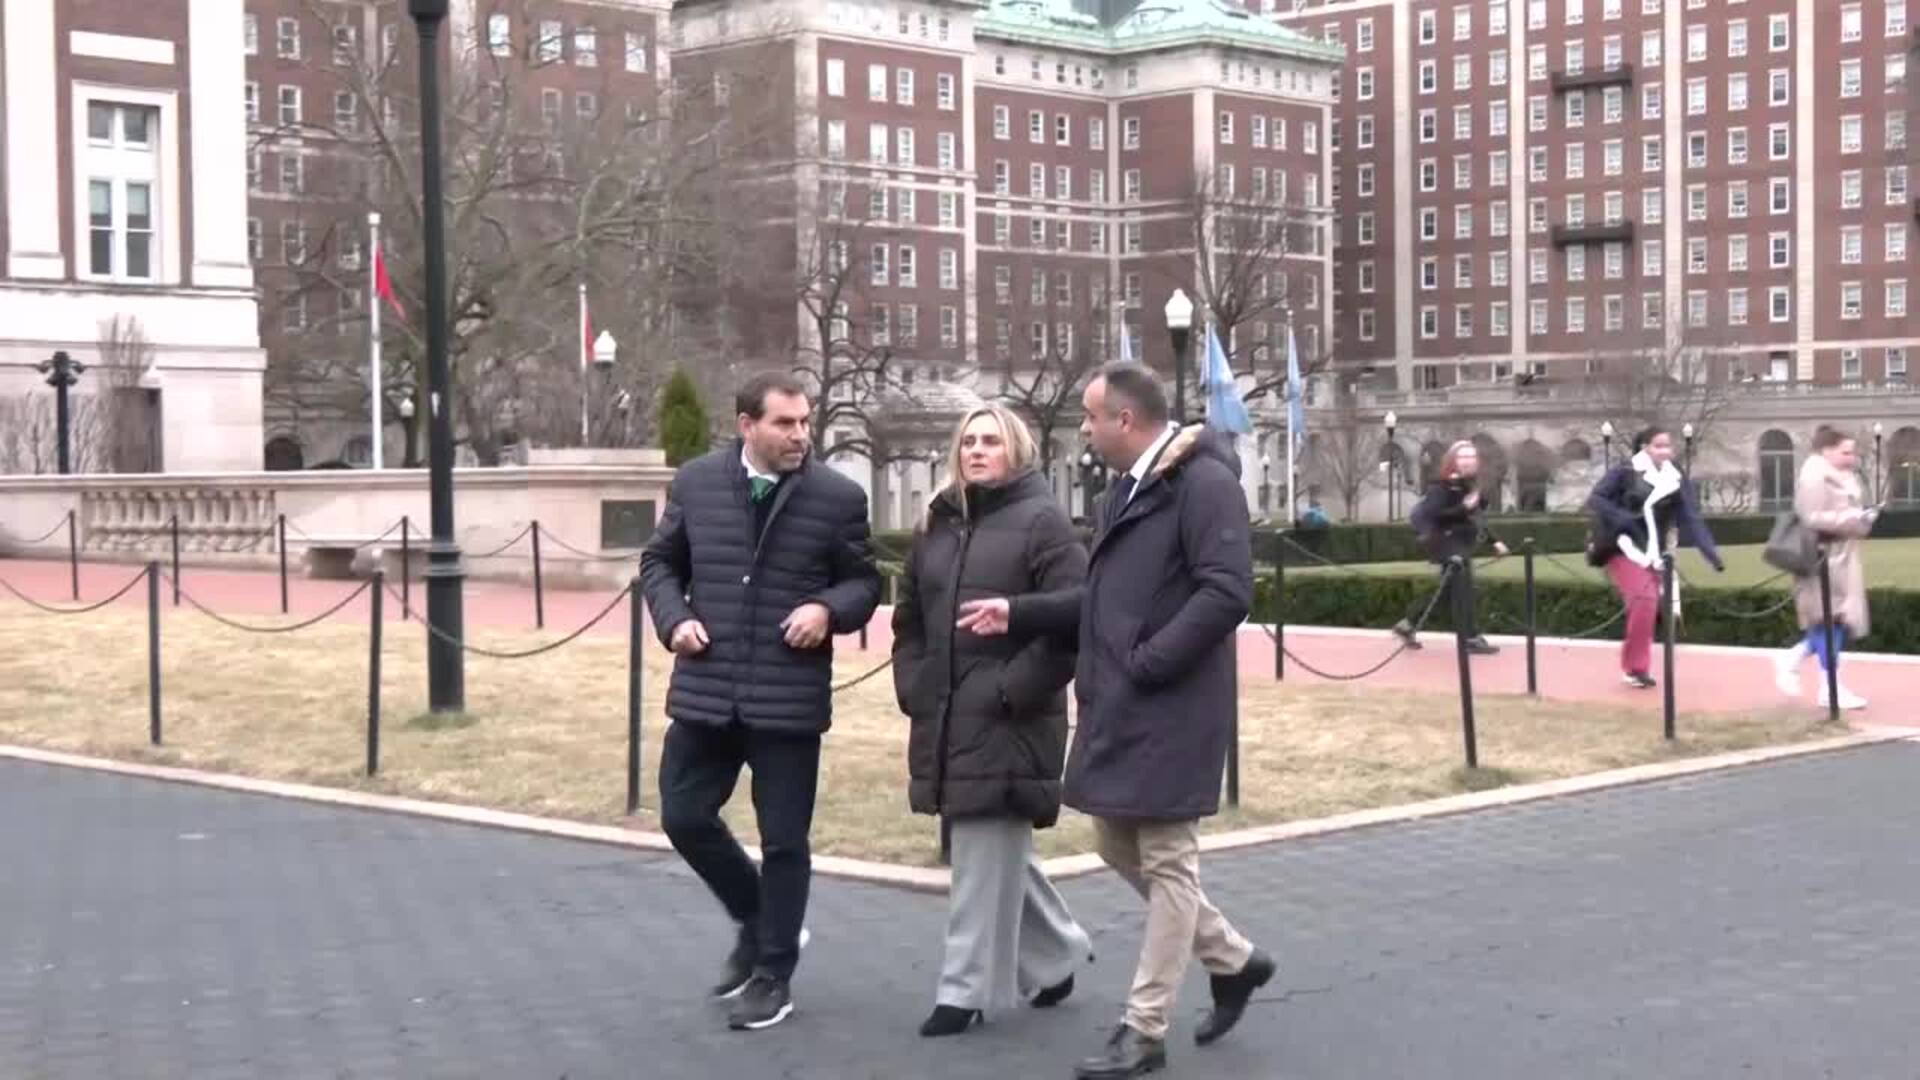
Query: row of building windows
(1613, 316)
(899, 145)
(899, 324)
(900, 204)
(890, 265)
(902, 85)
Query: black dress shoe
(949, 1020)
(1479, 646)
(1053, 995)
(1230, 996)
(1128, 1054)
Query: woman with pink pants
(1637, 506)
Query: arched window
(284, 454)
(1776, 471)
(1493, 472)
(1902, 471)
(1534, 477)
(1576, 452)
(358, 451)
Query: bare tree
(1674, 381)
(1243, 239)
(1047, 387)
(1344, 450)
(544, 191)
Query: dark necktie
(759, 487)
(1122, 491)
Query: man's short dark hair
(751, 401)
(1139, 389)
(1826, 437)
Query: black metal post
(636, 672)
(1688, 466)
(1233, 759)
(1666, 642)
(173, 529)
(1279, 606)
(280, 526)
(1606, 451)
(946, 840)
(406, 567)
(446, 670)
(1462, 588)
(73, 552)
(1393, 451)
(1533, 671)
(1180, 335)
(153, 652)
(379, 591)
(62, 371)
(1826, 628)
(539, 587)
(1879, 474)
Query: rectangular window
(836, 78)
(876, 82)
(1130, 133)
(903, 86)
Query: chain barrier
(576, 552)
(308, 537)
(1593, 631)
(864, 676)
(54, 609)
(45, 536)
(521, 535)
(288, 629)
(495, 654)
(1749, 615)
(1432, 602)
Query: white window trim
(167, 201)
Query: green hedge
(1708, 616)
(1374, 542)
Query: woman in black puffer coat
(985, 626)
(1450, 521)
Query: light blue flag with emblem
(1296, 396)
(1225, 410)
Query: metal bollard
(373, 673)
(946, 840)
(406, 566)
(1826, 628)
(73, 552)
(1666, 643)
(280, 525)
(153, 652)
(1533, 619)
(1279, 620)
(174, 529)
(1462, 588)
(636, 673)
(539, 587)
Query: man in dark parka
(1170, 581)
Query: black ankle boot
(949, 1020)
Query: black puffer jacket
(989, 714)
(705, 562)
(1445, 525)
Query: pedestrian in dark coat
(984, 633)
(1450, 521)
(1169, 583)
(761, 557)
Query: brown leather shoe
(1128, 1054)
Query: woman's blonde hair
(1022, 451)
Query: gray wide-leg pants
(1009, 933)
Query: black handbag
(1791, 546)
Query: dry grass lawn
(548, 735)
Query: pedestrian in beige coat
(1827, 500)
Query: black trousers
(699, 768)
(1449, 597)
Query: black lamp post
(1179, 312)
(1393, 421)
(62, 371)
(1606, 443)
(446, 669)
(1879, 471)
(1686, 435)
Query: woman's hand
(1472, 500)
(987, 618)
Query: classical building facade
(122, 247)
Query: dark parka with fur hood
(989, 714)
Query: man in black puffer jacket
(761, 557)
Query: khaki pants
(1161, 860)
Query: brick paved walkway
(1755, 923)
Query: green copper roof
(1119, 26)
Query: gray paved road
(1761, 923)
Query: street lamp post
(1393, 421)
(605, 349)
(1179, 312)
(1266, 482)
(1686, 434)
(405, 410)
(1606, 442)
(1879, 482)
(62, 371)
(446, 670)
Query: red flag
(383, 285)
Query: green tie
(759, 487)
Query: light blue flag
(1225, 410)
(1296, 397)
(1126, 342)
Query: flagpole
(377, 391)
(582, 335)
(1293, 388)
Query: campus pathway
(1710, 678)
(1755, 923)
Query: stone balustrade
(213, 517)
